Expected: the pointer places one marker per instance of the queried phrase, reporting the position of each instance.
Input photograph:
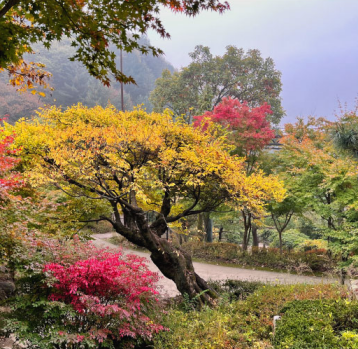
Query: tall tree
(345, 131)
(248, 132)
(208, 79)
(139, 163)
(325, 178)
(91, 25)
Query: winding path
(217, 272)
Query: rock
(7, 287)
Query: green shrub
(291, 239)
(320, 324)
(240, 324)
(270, 258)
(101, 227)
(213, 251)
(235, 289)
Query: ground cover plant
(73, 295)
(238, 324)
(320, 324)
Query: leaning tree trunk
(177, 265)
(173, 262)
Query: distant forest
(73, 84)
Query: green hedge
(269, 258)
(242, 324)
(319, 324)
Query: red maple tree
(8, 180)
(249, 129)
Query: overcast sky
(314, 43)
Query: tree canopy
(92, 25)
(138, 163)
(203, 84)
(249, 129)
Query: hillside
(73, 84)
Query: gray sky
(314, 43)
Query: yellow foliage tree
(139, 163)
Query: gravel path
(217, 272)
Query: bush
(314, 245)
(105, 301)
(297, 261)
(291, 239)
(212, 251)
(235, 289)
(320, 324)
(239, 324)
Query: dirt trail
(216, 272)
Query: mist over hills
(72, 83)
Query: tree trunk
(343, 269)
(208, 227)
(200, 223)
(255, 237)
(343, 276)
(245, 240)
(247, 228)
(173, 262)
(177, 265)
(221, 233)
(280, 239)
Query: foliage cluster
(239, 324)
(321, 324)
(199, 87)
(248, 128)
(90, 25)
(72, 84)
(71, 294)
(235, 289)
(293, 239)
(296, 261)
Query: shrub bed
(73, 295)
(270, 258)
(240, 324)
(319, 324)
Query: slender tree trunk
(200, 222)
(280, 239)
(343, 270)
(343, 276)
(208, 222)
(221, 233)
(255, 237)
(247, 229)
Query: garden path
(217, 272)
